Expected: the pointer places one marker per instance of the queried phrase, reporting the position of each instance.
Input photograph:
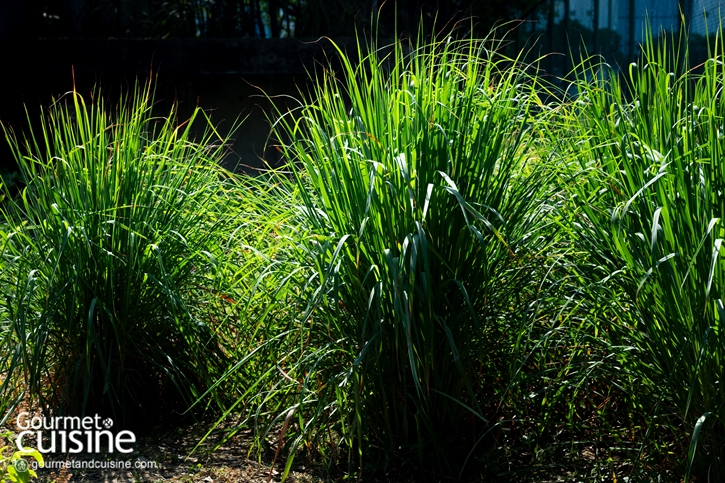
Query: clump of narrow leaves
(111, 241)
(649, 149)
(425, 219)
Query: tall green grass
(649, 147)
(426, 213)
(110, 251)
(450, 274)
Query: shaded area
(241, 18)
(223, 76)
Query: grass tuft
(114, 237)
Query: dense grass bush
(449, 275)
(426, 223)
(111, 246)
(455, 292)
(649, 150)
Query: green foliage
(15, 468)
(648, 148)
(114, 237)
(451, 275)
(426, 221)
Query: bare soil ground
(165, 455)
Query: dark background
(217, 54)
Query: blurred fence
(612, 28)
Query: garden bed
(451, 279)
